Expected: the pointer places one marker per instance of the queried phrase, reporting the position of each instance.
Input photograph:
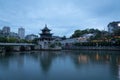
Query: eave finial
(45, 25)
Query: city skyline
(63, 17)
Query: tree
(35, 41)
(3, 39)
(64, 37)
(23, 41)
(12, 40)
(76, 33)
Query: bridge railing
(16, 44)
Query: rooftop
(46, 28)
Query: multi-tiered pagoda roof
(45, 35)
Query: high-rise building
(6, 30)
(21, 33)
(113, 26)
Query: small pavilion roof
(46, 28)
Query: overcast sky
(62, 16)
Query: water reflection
(57, 65)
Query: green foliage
(64, 37)
(79, 33)
(9, 40)
(52, 46)
(59, 44)
(23, 41)
(35, 41)
(3, 39)
(12, 40)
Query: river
(60, 65)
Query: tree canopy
(78, 33)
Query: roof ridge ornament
(45, 25)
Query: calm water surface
(60, 65)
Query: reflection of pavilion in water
(45, 58)
(46, 61)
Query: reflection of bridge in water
(16, 46)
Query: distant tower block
(6, 29)
(21, 33)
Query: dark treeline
(12, 40)
(98, 34)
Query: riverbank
(103, 48)
(110, 48)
